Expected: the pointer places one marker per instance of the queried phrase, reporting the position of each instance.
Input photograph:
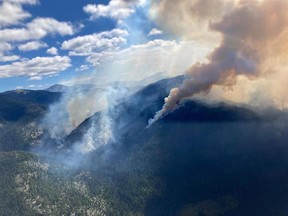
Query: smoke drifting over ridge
(74, 107)
(77, 104)
(251, 33)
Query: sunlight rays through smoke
(249, 34)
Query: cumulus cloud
(12, 14)
(155, 31)
(52, 51)
(36, 78)
(83, 67)
(140, 61)
(33, 45)
(88, 44)
(116, 9)
(51, 26)
(4, 46)
(35, 67)
(135, 53)
(31, 2)
(37, 29)
(104, 51)
(8, 58)
(4, 49)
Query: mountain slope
(57, 88)
(205, 159)
(20, 113)
(212, 158)
(202, 159)
(30, 186)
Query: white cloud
(35, 67)
(142, 51)
(31, 2)
(140, 61)
(16, 35)
(4, 49)
(33, 86)
(8, 58)
(33, 45)
(37, 29)
(19, 87)
(83, 67)
(116, 9)
(36, 78)
(50, 26)
(11, 14)
(155, 31)
(88, 44)
(52, 51)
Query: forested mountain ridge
(202, 159)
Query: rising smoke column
(248, 34)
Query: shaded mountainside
(20, 112)
(203, 159)
(133, 113)
(206, 159)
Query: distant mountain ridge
(57, 88)
(136, 85)
(20, 114)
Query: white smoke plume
(251, 34)
(78, 104)
(102, 132)
(75, 106)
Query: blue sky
(43, 42)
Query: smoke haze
(78, 104)
(246, 64)
(250, 33)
